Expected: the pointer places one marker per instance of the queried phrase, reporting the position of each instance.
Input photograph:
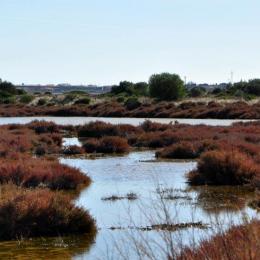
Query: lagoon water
(139, 173)
(113, 120)
(122, 220)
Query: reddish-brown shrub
(91, 145)
(30, 172)
(240, 243)
(97, 129)
(41, 127)
(108, 144)
(113, 145)
(42, 213)
(186, 150)
(149, 126)
(183, 150)
(154, 139)
(239, 110)
(224, 168)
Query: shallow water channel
(157, 185)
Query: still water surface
(139, 173)
(123, 120)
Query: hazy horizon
(105, 42)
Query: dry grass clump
(108, 144)
(242, 242)
(33, 213)
(224, 168)
(31, 173)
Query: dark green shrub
(26, 99)
(42, 102)
(120, 99)
(83, 101)
(132, 103)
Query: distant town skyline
(104, 42)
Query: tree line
(167, 86)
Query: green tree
(253, 87)
(124, 86)
(8, 87)
(166, 86)
(141, 89)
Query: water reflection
(46, 248)
(225, 198)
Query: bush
(241, 242)
(123, 87)
(179, 151)
(197, 91)
(224, 168)
(31, 172)
(166, 86)
(26, 99)
(7, 88)
(156, 139)
(83, 101)
(141, 89)
(42, 102)
(97, 129)
(132, 103)
(149, 126)
(108, 144)
(40, 150)
(37, 213)
(69, 98)
(7, 100)
(120, 99)
(253, 87)
(91, 145)
(41, 127)
(187, 150)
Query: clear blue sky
(105, 41)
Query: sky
(106, 41)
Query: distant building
(191, 85)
